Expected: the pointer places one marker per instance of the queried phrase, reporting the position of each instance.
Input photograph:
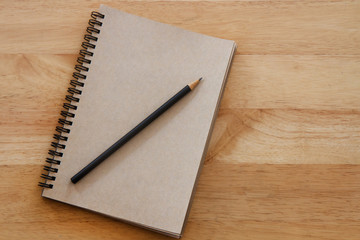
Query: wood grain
(251, 127)
(258, 27)
(294, 82)
(233, 201)
(283, 161)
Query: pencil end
(73, 180)
(194, 84)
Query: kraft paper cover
(138, 64)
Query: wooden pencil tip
(194, 84)
(200, 79)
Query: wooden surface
(284, 155)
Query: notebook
(128, 67)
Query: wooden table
(284, 156)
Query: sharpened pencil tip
(200, 79)
(194, 84)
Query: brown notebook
(130, 66)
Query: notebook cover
(138, 64)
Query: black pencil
(83, 172)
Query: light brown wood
(258, 27)
(283, 158)
(193, 84)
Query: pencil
(88, 168)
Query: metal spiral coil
(71, 99)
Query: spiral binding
(71, 99)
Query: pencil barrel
(127, 137)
